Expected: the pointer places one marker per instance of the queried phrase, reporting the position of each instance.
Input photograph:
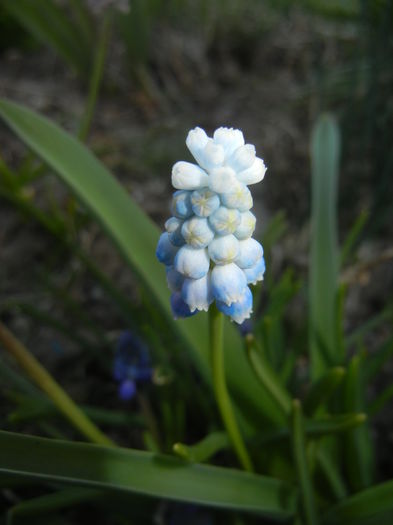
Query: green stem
(302, 467)
(216, 319)
(150, 420)
(267, 377)
(46, 382)
(96, 77)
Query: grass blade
(132, 471)
(43, 505)
(46, 382)
(358, 448)
(300, 459)
(50, 24)
(323, 389)
(353, 236)
(331, 474)
(380, 401)
(267, 377)
(204, 449)
(373, 506)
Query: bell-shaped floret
(246, 226)
(173, 227)
(204, 202)
(222, 179)
(179, 308)
(256, 272)
(197, 232)
(242, 158)
(250, 251)
(228, 283)
(213, 156)
(254, 173)
(197, 293)
(188, 176)
(223, 249)
(229, 138)
(181, 204)
(174, 279)
(196, 142)
(165, 251)
(224, 221)
(192, 262)
(238, 196)
(239, 310)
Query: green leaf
(302, 468)
(325, 149)
(314, 428)
(33, 407)
(359, 454)
(204, 449)
(132, 471)
(321, 390)
(380, 401)
(43, 505)
(377, 360)
(332, 424)
(330, 471)
(373, 506)
(353, 236)
(271, 324)
(267, 377)
(49, 23)
(136, 237)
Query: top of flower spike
(225, 162)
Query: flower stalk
(216, 324)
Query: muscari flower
(208, 249)
(131, 365)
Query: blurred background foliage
(129, 79)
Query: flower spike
(208, 249)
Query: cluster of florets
(208, 248)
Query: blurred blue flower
(208, 249)
(131, 364)
(127, 389)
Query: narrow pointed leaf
(325, 149)
(49, 23)
(55, 501)
(132, 471)
(302, 468)
(373, 506)
(267, 377)
(332, 474)
(322, 389)
(359, 453)
(204, 449)
(334, 424)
